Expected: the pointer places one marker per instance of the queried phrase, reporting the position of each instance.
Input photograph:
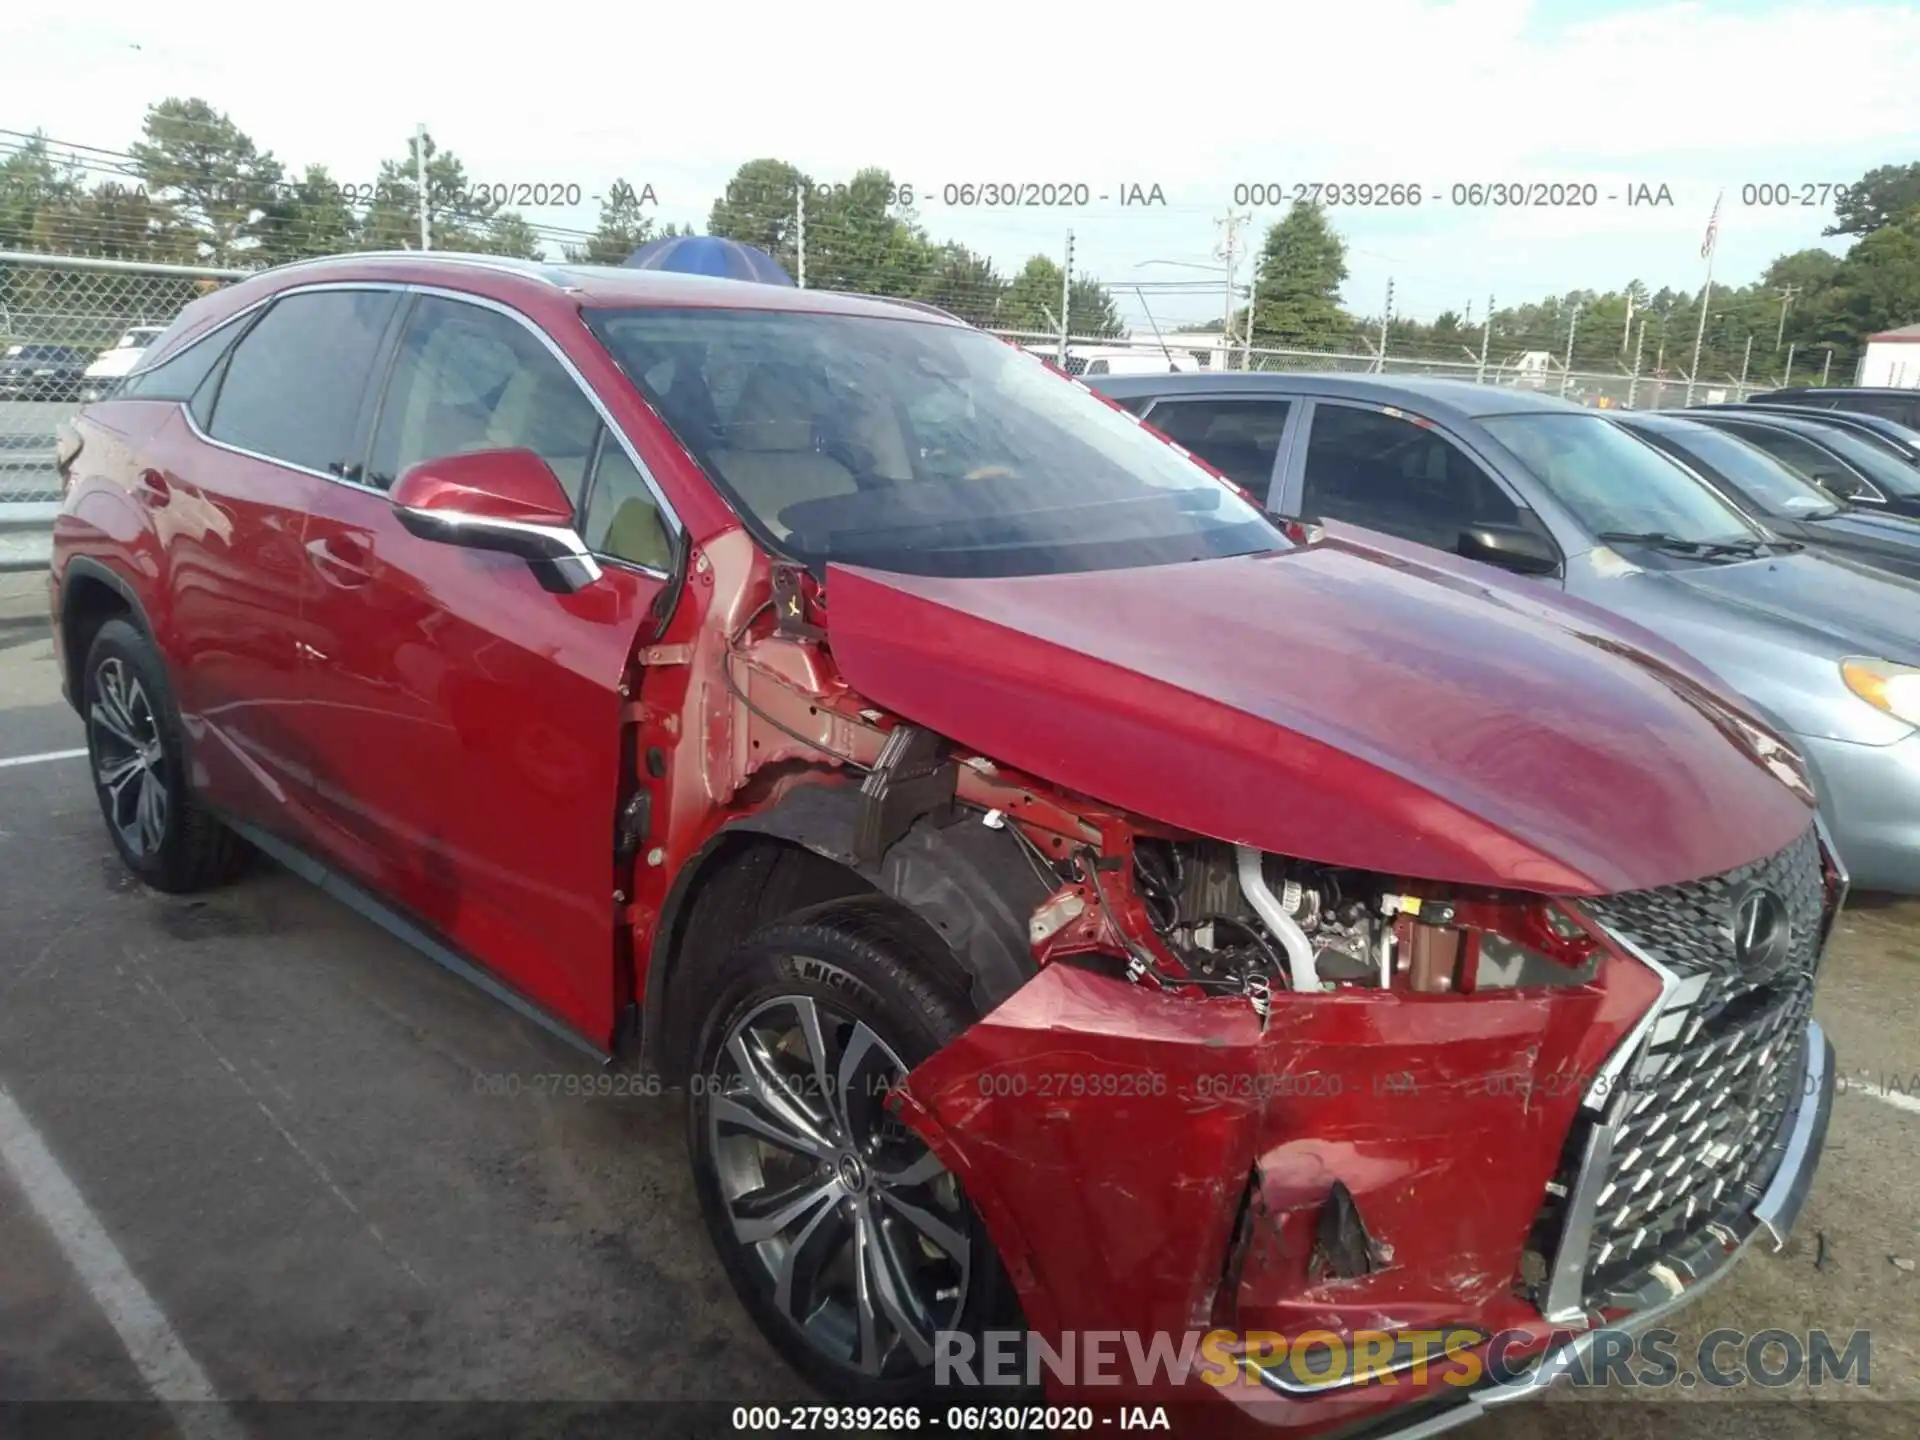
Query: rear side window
(294, 388)
(469, 378)
(1239, 438)
(178, 377)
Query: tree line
(1804, 304)
(195, 188)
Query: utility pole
(1566, 368)
(1229, 252)
(1386, 316)
(1639, 349)
(1745, 361)
(420, 182)
(1826, 369)
(1627, 328)
(1486, 337)
(1466, 320)
(1787, 292)
(1066, 300)
(800, 235)
(1253, 301)
(1787, 379)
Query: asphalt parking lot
(288, 1180)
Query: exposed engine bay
(1238, 918)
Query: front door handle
(153, 488)
(341, 560)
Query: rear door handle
(341, 560)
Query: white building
(1892, 358)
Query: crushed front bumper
(1770, 1221)
(1160, 1165)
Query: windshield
(1616, 484)
(924, 448)
(1771, 486)
(1885, 468)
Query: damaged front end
(1516, 1081)
(1277, 1099)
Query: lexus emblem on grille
(1762, 932)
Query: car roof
(1665, 420)
(1439, 398)
(1763, 416)
(1838, 390)
(586, 285)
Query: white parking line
(156, 1350)
(1896, 1098)
(42, 759)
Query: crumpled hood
(1340, 702)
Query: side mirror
(504, 500)
(1511, 547)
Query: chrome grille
(1696, 1110)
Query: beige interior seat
(767, 452)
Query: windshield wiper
(1662, 540)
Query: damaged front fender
(1155, 1162)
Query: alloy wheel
(129, 761)
(857, 1233)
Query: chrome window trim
(198, 340)
(186, 408)
(676, 528)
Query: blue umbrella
(710, 255)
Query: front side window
(1774, 488)
(1614, 484)
(1878, 460)
(1803, 457)
(919, 447)
(469, 378)
(293, 389)
(1239, 438)
(622, 518)
(1389, 474)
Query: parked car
(1889, 435)
(1783, 501)
(1544, 488)
(41, 372)
(1851, 466)
(942, 778)
(118, 360)
(1894, 404)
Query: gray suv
(1829, 649)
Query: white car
(113, 364)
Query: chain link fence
(71, 323)
(63, 321)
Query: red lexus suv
(1069, 902)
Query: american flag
(1713, 227)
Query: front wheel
(850, 1243)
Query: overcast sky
(1693, 96)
